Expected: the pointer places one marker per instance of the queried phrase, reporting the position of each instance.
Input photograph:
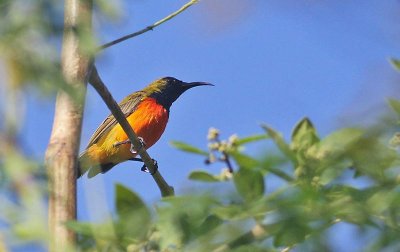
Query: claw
(142, 143)
(145, 169)
(132, 148)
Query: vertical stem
(62, 151)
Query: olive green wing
(127, 105)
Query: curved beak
(196, 84)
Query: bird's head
(166, 90)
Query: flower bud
(213, 134)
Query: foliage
(349, 176)
(30, 41)
(395, 63)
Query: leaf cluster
(349, 176)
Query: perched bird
(147, 111)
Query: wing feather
(127, 105)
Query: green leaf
(251, 248)
(371, 157)
(331, 156)
(275, 165)
(127, 201)
(203, 176)
(255, 210)
(251, 139)
(304, 135)
(336, 143)
(349, 203)
(231, 212)
(292, 231)
(82, 228)
(395, 105)
(104, 231)
(303, 126)
(179, 219)
(188, 148)
(280, 143)
(210, 223)
(134, 216)
(395, 63)
(243, 160)
(249, 183)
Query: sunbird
(147, 112)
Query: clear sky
(271, 61)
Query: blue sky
(271, 62)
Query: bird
(147, 112)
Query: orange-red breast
(147, 112)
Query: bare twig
(97, 83)
(150, 27)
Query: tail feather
(86, 164)
(102, 168)
(83, 164)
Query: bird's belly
(148, 121)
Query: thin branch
(281, 174)
(150, 27)
(97, 83)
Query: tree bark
(63, 148)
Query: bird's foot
(132, 148)
(145, 169)
(121, 143)
(142, 145)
